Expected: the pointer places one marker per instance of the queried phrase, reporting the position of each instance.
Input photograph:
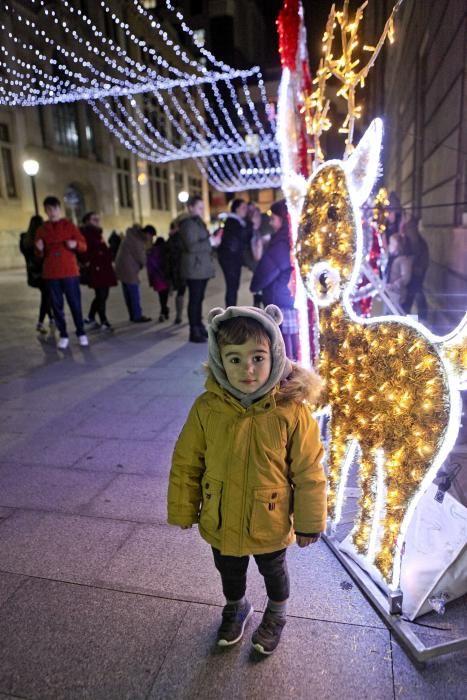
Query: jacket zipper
(245, 482)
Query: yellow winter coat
(249, 477)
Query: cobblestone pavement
(99, 598)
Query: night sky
(316, 14)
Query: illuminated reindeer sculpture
(391, 386)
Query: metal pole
(34, 193)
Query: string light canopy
(162, 101)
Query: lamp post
(31, 168)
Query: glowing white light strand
(379, 507)
(353, 449)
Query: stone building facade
(419, 86)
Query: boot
(178, 309)
(196, 336)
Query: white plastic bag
(434, 559)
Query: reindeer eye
(332, 213)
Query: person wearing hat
(272, 277)
(247, 465)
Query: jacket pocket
(270, 516)
(210, 516)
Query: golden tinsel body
(386, 386)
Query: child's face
(247, 366)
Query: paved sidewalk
(99, 598)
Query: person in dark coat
(230, 252)
(114, 243)
(174, 260)
(394, 217)
(99, 270)
(420, 263)
(158, 274)
(34, 271)
(272, 277)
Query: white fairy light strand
(106, 69)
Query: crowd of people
(60, 257)
(407, 260)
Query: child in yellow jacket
(247, 465)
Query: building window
(196, 7)
(110, 28)
(178, 181)
(124, 181)
(8, 173)
(66, 128)
(176, 131)
(149, 4)
(155, 115)
(158, 187)
(89, 128)
(195, 185)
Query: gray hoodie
(270, 318)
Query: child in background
(247, 465)
(399, 268)
(158, 275)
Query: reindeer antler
(345, 69)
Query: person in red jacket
(57, 242)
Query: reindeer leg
(384, 503)
(342, 455)
(366, 533)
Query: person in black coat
(34, 271)
(231, 249)
(420, 263)
(272, 277)
(174, 257)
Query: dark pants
(132, 300)
(66, 287)
(273, 567)
(98, 305)
(45, 308)
(232, 272)
(163, 299)
(416, 294)
(196, 290)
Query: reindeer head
(329, 243)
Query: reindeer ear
(362, 166)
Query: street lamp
(183, 197)
(31, 168)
